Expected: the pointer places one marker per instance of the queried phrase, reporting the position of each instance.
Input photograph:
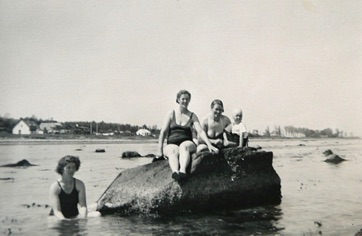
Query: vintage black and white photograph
(181, 117)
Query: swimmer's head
(64, 161)
(182, 92)
(218, 103)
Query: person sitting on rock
(236, 132)
(214, 125)
(177, 128)
(68, 192)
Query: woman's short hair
(217, 102)
(182, 92)
(64, 161)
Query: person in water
(237, 133)
(68, 192)
(177, 129)
(214, 125)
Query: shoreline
(73, 139)
(122, 140)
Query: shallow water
(318, 197)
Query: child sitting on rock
(236, 132)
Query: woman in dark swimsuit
(214, 125)
(177, 128)
(68, 192)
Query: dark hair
(64, 161)
(217, 102)
(182, 92)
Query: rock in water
(100, 150)
(130, 154)
(335, 159)
(328, 152)
(332, 158)
(229, 180)
(22, 163)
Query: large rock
(229, 180)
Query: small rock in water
(318, 223)
(22, 163)
(328, 152)
(332, 158)
(8, 178)
(129, 154)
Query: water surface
(318, 197)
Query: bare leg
(202, 147)
(186, 149)
(172, 152)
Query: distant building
(26, 127)
(51, 127)
(143, 132)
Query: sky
(283, 62)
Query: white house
(21, 128)
(143, 132)
(26, 127)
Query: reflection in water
(68, 227)
(260, 220)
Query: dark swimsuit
(179, 133)
(69, 202)
(236, 139)
(219, 136)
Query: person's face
(237, 117)
(217, 110)
(70, 169)
(184, 100)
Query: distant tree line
(7, 124)
(92, 127)
(80, 127)
(291, 131)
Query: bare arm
(163, 132)
(54, 200)
(227, 142)
(203, 135)
(83, 212)
(241, 139)
(227, 122)
(243, 133)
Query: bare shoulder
(226, 120)
(194, 117)
(169, 115)
(228, 127)
(54, 187)
(79, 183)
(170, 112)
